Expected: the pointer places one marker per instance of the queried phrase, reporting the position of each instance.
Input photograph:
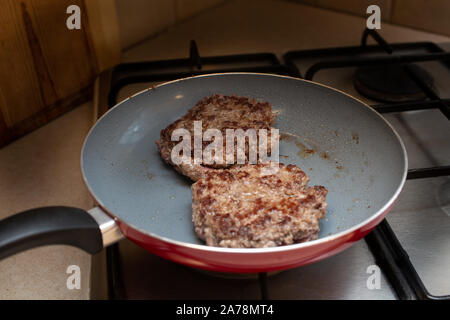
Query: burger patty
(257, 206)
(216, 112)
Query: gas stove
(409, 84)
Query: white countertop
(43, 168)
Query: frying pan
(339, 141)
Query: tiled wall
(140, 19)
(429, 15)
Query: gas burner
(390, 83)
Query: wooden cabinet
(45, 68)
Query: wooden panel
(19, 86)
(45, 68)
(66, 53)
(104, 32)
(427, 15)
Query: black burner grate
(388, 252)
(383, 243)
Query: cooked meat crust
(216, 112)
(255, 206)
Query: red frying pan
(145, 200)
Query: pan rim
(204, 247)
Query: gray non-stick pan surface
(337, 140)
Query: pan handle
(89, 231)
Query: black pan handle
(49, 225)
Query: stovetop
(417, 227)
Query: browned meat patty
(253, 206)
(216, 112)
